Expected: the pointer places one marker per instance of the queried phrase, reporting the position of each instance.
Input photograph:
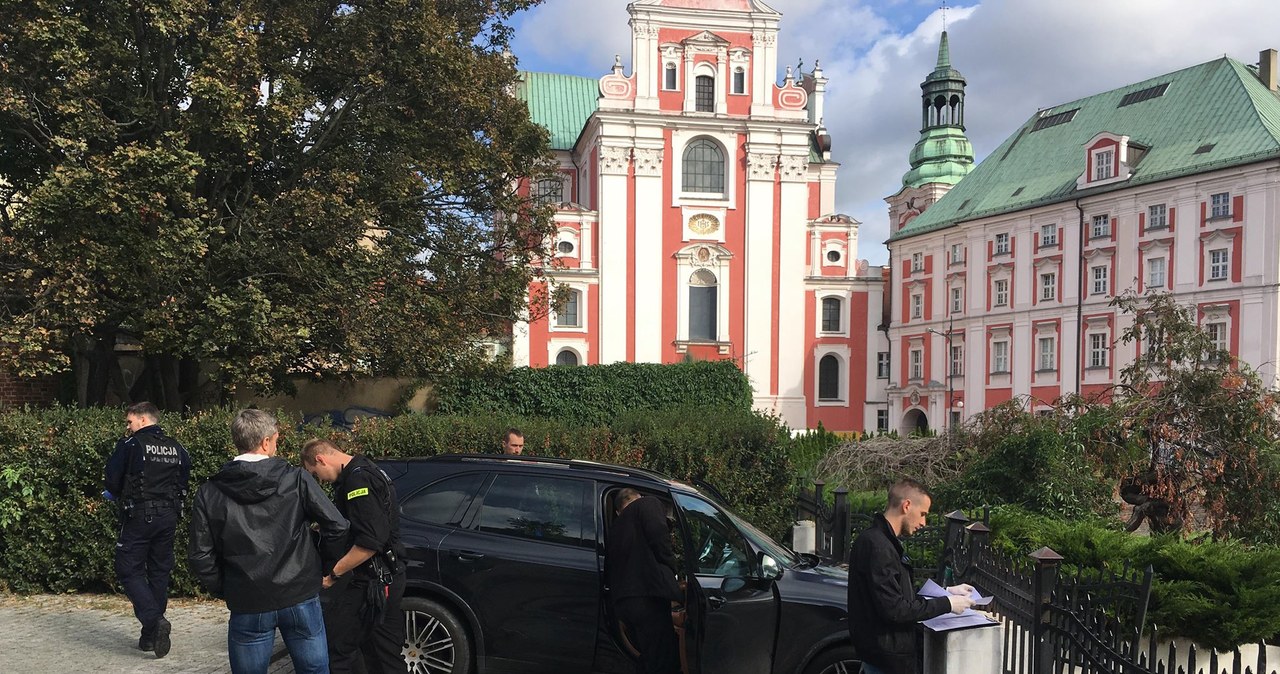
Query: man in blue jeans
(251, 544)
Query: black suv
(506, 560)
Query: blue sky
(1017, 55)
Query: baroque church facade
(695, 217)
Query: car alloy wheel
(435, 641)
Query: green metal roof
(1220, 104)
(560, 103)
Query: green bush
(57, 533)
(1218, 594)
(596, 394)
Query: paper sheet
(951, 621)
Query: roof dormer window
(1108, 160)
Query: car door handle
(465, 556)
(716, 602)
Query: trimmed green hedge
(596, 394)
(1219, 594)
(57, 534)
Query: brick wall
(17, 391)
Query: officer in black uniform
(362, 614)
(147, 476)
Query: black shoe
(146, 643)
(162, 644)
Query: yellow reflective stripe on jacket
(363, 491)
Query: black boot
(147, 642)
(162, 644)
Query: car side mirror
(770, 569)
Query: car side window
(444, 502)
(555, 510)
(718, 548)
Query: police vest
(158, 470)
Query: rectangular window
(917, 262)
(1048, 287)
(917, 364)
(882, 420)
(1048, 236)
(1002, 244)
(957, 300)
(1157, 217)
(739, 81)
(567, 313)
(704, 93)
(957, 253)
(957, 360)
(1101, 276)
(1220, 205)
(1101, 227)
(1155, 272)
(1097, 350)
(917, 306)
(1103, 164)
(1048, 354)
(831, 318)
(669, 78)
(1001, 293)
(999, 357)
(1219, 264)
(882, 365)
(1216, 333)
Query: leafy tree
(253, 189)
(1206, 424)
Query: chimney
(1267, 68)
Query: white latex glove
(963, 589)
(959, 603)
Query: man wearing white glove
(883, 605)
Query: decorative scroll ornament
(761, 165)
(615, 85)
(793, 167)
(792, 97)
(648, 162)
(703, 257)
(614, 160)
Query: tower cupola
(943, 154)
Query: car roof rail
(551, 461)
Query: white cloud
(1017, 55)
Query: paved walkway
(77, 633)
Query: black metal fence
(1089, 622)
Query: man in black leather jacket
(251, 543)
(883, 605)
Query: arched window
(568, 315)
(831, 314)
(703, 167)
(669, 77)
(704, 93)
(829, 378)
(566, 357)
(702, 306)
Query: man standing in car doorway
(147, 476)
(640, 569)
(362, 615)
(883, 605)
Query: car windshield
(758, 538)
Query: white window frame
(1098, 350)
(1101, 227)
(1217, 332)
(1000, 292)
(1100, 282)
(1154, 280)
(1048, 236)
(738, 73)
(1049, 287)
(916, 365)
(1220, 205)
(917, 305)
(718, 264)
(884, 366)
(1047, 353)
(1001, 244)
(1157, 216)
(1104, 163)
(1219, 264)
(956, 360)
(957, 299)
(882, 420)
(843, 328)
(554, 323)
(917, 262)
(671, 67)
(957, 253)
(842, 377)
(1000, 356)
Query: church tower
(943, 155)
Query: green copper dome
(943, 154)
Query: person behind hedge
(147, 476)
(883, 605)
(251, 544)
(362, 613)
(513, 442)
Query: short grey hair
(251, 427)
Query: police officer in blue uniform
(147, 476)
(362, 612)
